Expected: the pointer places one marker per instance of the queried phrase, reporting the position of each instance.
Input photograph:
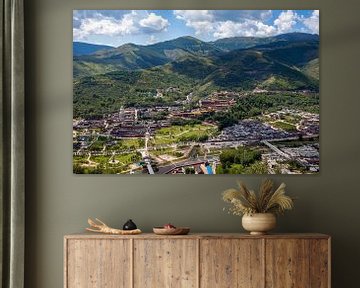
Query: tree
(236, 169)
(141, 142)
(257, 168)
(241, 155)
(77, 169)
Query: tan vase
(259, 223)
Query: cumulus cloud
(154, 22)
(208, 24)
(312, 22)
(222, 15)
(248, 28)
(200, 20)
(227, 23)
(112, 24)
(194, 15)
(286, 21)
(230, 23)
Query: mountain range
(282, 62)
(131, 56)
(81, 48)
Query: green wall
(59, 202)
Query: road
(168, 168)
(275, 149)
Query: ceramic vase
(259, 223)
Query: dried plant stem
(101, 227)
(245, 201)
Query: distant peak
(297, 35)
(128, 45)
(189, 38)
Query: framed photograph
(196, 91)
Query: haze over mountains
(287, 62)
(81, 48)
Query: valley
(232, 106)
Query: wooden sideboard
(197, 260)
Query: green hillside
(235, 43)
(312, 68)
(99, 94)
(132, 57)
(188, 44)
(131, 74)
(287, 48)
(297, 54)
(128, 56)
(247, 69)
(81, 48)
(86, 68)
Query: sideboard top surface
(86, 235)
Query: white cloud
(200, 20)
(247, 28)
(222, 15)
(286, 21)
(193, 15)
(312, 22)
(154, 22)
(227, 23)
(135, 22)
(203, 27)
(206, 24)
(222, 24)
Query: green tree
(257, 168)
(236, 169)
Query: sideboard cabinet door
(197, 261)
(231, 263)
(98, 263)
(165, 263)
(297, 263)
(320, 263)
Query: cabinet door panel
(287, 263)
(98, 264)
(231, 263)
(319, 263)
(166, 263)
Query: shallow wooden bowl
(171, 231)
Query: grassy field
(284, 126)
(176, 134)
(121, 162)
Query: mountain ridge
(131, 74)
(132, 56)
(83, 48)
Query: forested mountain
(293, 49)
(81, 48)
(130, 74)
(234, 43)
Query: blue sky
(116, 27)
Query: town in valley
(172, 139)
(239, 95)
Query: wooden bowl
(171, 231)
